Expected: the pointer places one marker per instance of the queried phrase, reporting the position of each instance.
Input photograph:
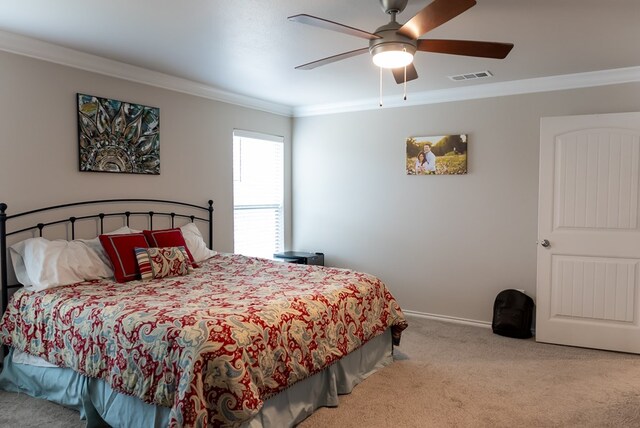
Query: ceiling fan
(393, 45)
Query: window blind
(258, 193)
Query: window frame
(239, 133)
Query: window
(258, 193)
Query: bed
(236, 341)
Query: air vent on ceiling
(471, 76)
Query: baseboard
(446, 318)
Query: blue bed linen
(96, 401)
(294, 404)
(101, 406)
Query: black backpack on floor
(512, 314)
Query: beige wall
(444, 245)
(39, 142)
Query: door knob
(545, 243)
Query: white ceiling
(248, 47)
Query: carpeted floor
(22, 411)
(450, 375)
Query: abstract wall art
(117, 136)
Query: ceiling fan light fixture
(392, 55)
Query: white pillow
(40, 264)
(96, 246)
(195, 243)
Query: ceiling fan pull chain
(405, 83)
(405, 78)
(380, 86)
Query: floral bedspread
(211, 345)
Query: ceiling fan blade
(398, 74)
(333, 26)
(466, 47)
(330, 59)
(435, 14)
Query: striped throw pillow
(162, 262)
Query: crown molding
(487, 90)
(27, 46)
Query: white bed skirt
(102, 406)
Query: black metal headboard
(4, 219)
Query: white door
(589, 240)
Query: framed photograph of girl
(437, 155)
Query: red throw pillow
(121, 252)
(168, 238)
